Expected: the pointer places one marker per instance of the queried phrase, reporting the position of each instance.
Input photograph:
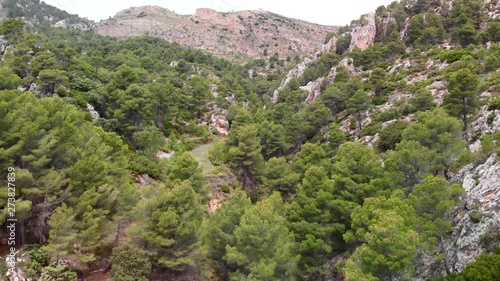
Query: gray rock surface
(482, 186)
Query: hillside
(373, 157)
(256, 34)
(39, 14)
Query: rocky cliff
(257, 34)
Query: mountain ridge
(252, 33)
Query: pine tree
(357, 104)
(264, 248)
(388, 253)
(169, 219)
(218, 230)
(314, 221)
(186, 167)
(245, 157)
(462, 99)
(279, 176)
(62, 233)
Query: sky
(332, 12)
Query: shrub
(475, 216)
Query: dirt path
(201, 155)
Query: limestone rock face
(313, 89)
(363, 35)
(299, 69)
(438, 89)
(482, 186)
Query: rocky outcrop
(299, 69)
(438, 89)
(164, 155)
(19, 271)
(494, 9)
(349, 64)
(93, 113)
(404, 65)
(143, 181)
(485, 125)
(479, 215)
(219, 123)
(363, 35)
(83, 25)
(313, 89)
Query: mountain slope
(249, 33)
(40, 14)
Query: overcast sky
(333, 12)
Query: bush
(57, 273)
(454, 55)
(216, 153)
(384, 116)
(495, 104)
(370, 130)
(475, 216)
(391, 135)
(129, 263)
(225, 189)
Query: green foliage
(422, 100)
(9, 79)
(279, 176)
(38, 259)
(462, 99)
(57, 273)
(355, 167)
(168, 221)
(485, 268)
(389, 250)
(12, 29)
(264, 247)
(216, 153)
(391, 136)
(51, 78)
(433, 200)
(149, 141)
(310, 155)
(357, 104)
(185, 167)
(42, 61)
(129, 263)
(244, 154)
(272, 139)
(437, 131)
(62, 233)
(343, 43)
(313, 217)
(413, 160)
(217, 231)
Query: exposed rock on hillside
(479, 216)
(299, 69)
(364, 34)
(256, 34)
(219, 123)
